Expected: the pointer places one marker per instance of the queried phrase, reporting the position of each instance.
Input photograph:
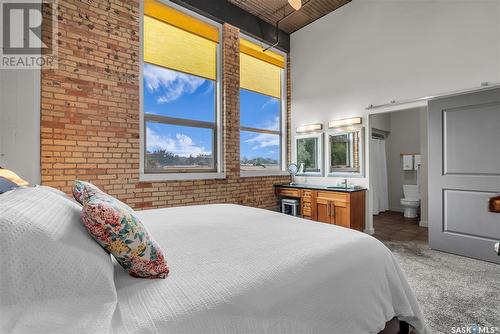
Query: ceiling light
(296, 4)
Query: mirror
(292, 169)
(345, 152)
(308, 154)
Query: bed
(233, 269)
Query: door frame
(387, 110)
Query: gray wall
(404, 138)
(20, 123)
(407, 133)
(381, 122)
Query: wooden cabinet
(345, 209)
(306, 203)
(334, 208)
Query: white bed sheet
(236, 269)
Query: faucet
(344, 183)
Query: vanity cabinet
(332, 208)
(344, 208)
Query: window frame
(319, 152)
(282, 132)
(183, 173)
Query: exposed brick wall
(90, 114)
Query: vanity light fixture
(344, 122)
(310, 127)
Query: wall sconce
(310, 128)
(345, 122)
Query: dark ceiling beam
(223, 11)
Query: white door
(464, 172)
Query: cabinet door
(323, 211)
(340, 214)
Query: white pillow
(60, 193)
(53, 277)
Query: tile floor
(392, 226)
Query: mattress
(237, 269)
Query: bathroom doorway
(398, 174)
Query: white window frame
(319, 153)
(341, 131)
(219, 131)
(283, 119)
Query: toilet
(411, 200)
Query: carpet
(453, 291)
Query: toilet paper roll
(497, 246)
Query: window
(180, 92)
(308, 153)
(261, 109)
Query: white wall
(375, 51)
(20, 123)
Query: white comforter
(53, 277)
(236, 269)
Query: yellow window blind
(178, 41)
(260, 71)
(256, 51)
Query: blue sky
(180, 95)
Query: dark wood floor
(392, 226)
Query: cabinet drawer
(306, 209)
(306, 195)
(335, 196)
(306, 212)
(288, 192)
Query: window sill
(257, 173)
(180, 176)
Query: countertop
(320, 187)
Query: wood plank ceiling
(274, 10)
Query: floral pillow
(80, 187)
(115, 227)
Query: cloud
(273, 124)
(263, 140)
(181, 145)
(209, 90)
(270, 101)
(169, 85)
